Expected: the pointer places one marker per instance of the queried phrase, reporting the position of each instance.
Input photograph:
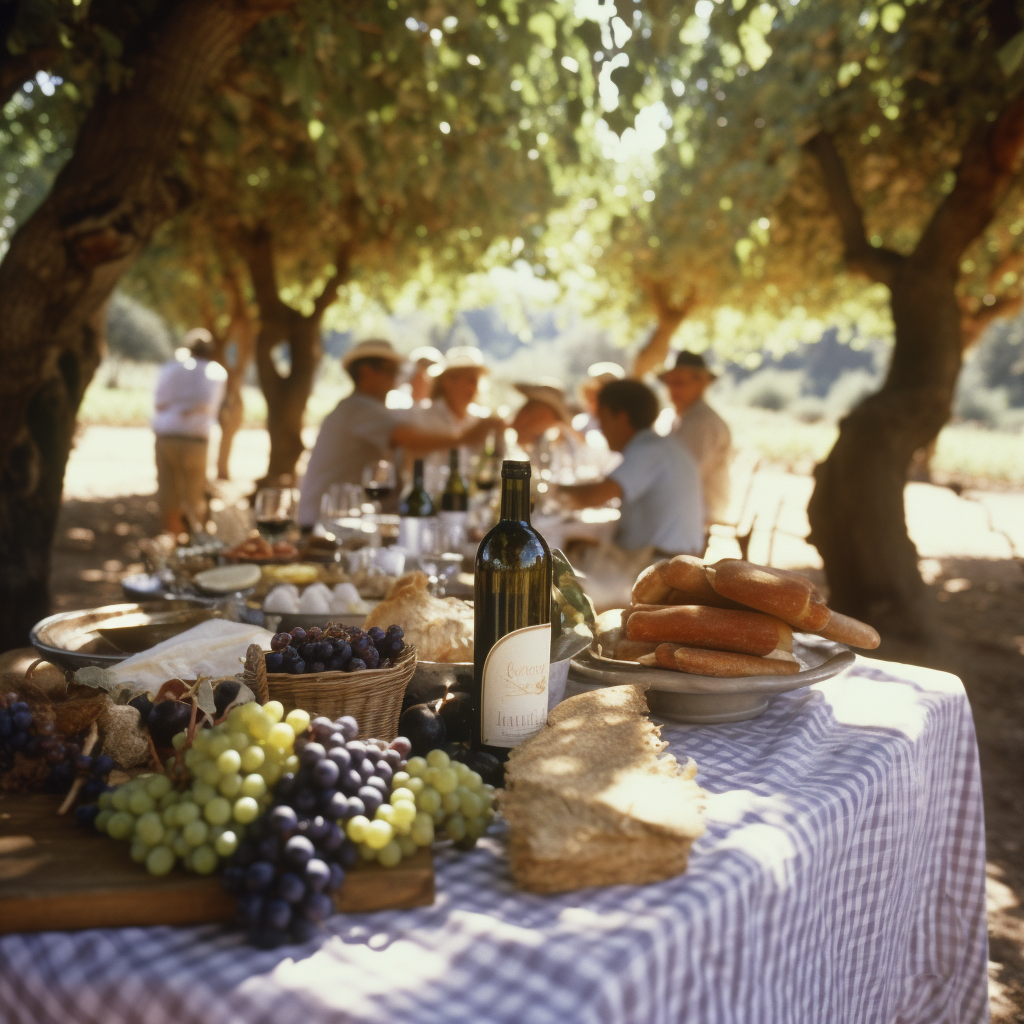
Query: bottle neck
(417, 474)
(515, 500)
(453, 460)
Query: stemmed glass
(275, 509)
(378, 481)
(436, 558)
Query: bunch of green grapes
(231, 770)
(433, 796)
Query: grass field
(965, 453)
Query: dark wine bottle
(455, 497)
(512, 642)
(415, 507)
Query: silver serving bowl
(106, 636)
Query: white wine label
(514, 688)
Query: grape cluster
(20, 732)
(432, 795)
(232, 768)
(296, 853)
(334, 649)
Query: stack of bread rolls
(732, 618)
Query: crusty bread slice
(593, 800)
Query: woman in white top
(456, 383)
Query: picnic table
(840, 881)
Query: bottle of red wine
(455, 497)
(512, 644)
(415, 507)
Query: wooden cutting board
(56, 875)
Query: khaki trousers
(181, 477)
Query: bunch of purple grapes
(334, 649)
(21, 733)
(295, 854)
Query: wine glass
(275, 509)
(437, 559)
(378, 481)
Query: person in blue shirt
(657, 482)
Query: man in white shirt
(189, 390)
(657, 480)
(700, 430)
(362, 430)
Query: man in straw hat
(700, 429)
(454, 385)
(362, 430)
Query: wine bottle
(415, 507)
(455, 497)
(512, 643)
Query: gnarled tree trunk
(670, 315)
(64, 262)
(856, 512)
(286, 395)
(242, 332)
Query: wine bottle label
(514, 688)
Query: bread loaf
(721, 629)
(779, 592)
(650, 587)
(847, 630)
(685, 575)
(702, 662)
(592, 799)
(631, 650)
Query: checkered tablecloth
(840, 881)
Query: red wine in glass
(274, 527)
(377, 492)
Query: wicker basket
(373, 698)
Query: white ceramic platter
(709, 700)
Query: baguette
(632, 650)
(719, 663)
(779, 592)
(847, 630)
(651, 588)
(719, 628)
(685, 575)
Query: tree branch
(342, 271)
(973, 324)
(986, 170)
(860, 255)
(670, 315)
(257, 249)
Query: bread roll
(847, 630)
(685, 575)
(665, 655)
(701, 662)
(787, 595)
(719, 628)
(632, 650)
(650, 588)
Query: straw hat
(460, 357)
(550, 392)
(599, 374)
(425, 354)
(372, 348)
(688, 361)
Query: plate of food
(714, 642)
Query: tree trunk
(856, 512)
(232, 410)
(670, 315)
(280, 324)
(287, 396)
(64, 262)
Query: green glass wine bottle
(512, 642)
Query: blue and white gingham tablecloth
(840, 881)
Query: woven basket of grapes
(373, 696)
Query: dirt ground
(978, 606)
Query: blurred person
(421, 383)
(452, 409)
(704, 434)
(189, 390)
(543, 426)
(362, 429)
(598, 374)
(657, 481)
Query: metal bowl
(106, 636)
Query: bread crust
(847, 630)
(685, 575)
(779, 592)
(703, 662)
(723, 629)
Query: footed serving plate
(710, 700)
